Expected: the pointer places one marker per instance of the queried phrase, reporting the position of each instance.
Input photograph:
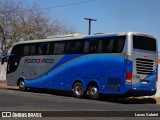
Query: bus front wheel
(21, 85)
(93, 92)
(78, 90)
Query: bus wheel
(78, 90)
(21, 85)
(93, 92)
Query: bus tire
(78, 90)
(93, 92)
(21, 85)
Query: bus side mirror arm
(4, 59)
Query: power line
(65, 5)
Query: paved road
(15, 100)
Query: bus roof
(81, 36)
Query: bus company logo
(20, 114)
(41, 60)
(6, 114)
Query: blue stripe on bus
(65, 59)
(87, 63)
(86, 66)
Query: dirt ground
(4, 85)
(158, 100)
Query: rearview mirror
(4, 58)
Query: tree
(18, 23)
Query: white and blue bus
(111, 64)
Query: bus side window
(99, 50)
(70, 47)
(113, 44)
(120, 44)
(86, 46)
(26, 50)
(59, 48)
(51, 48)
(43, 48)
(93, 46)
(110, 46)
(33, 49)
(107, 45)
(79, 47)
(74, 47)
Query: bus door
(13, 66)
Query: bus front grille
(144, 66)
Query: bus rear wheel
(93, 92)
(21, 85)
(78, 90)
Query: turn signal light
(157, 78)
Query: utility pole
(89, 27)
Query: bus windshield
(144, 43)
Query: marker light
(129, 78)
(129, 75)
(157, 78)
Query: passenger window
(120, 45)
(79, 47)
(86, 46)
(100, 47)
(110, 46)
(26, 50)
(59, 48)
(93, 46)
(51, 48)
(43, 48)
(113, 44)
(32, 49)
(70, 47)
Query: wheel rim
(78, 90)
(94, 91)
(21, 85)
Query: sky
(112, 15)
